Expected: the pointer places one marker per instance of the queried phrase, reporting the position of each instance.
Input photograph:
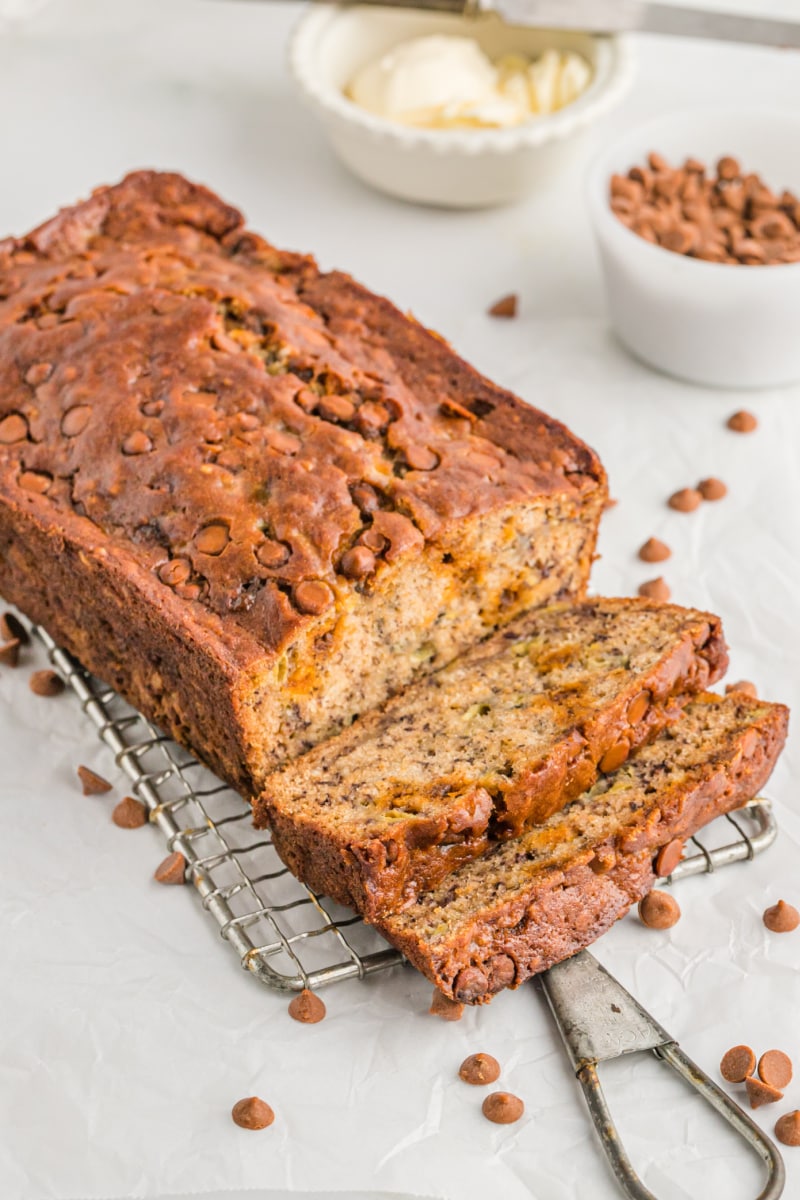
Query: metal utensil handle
(619, 16)
(599, 1020)
(647, 16)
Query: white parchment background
(126, 1029)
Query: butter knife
(648, 16)
(622, 16)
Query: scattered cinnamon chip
(444, 1007)
(46, 683)
(742, 422)
(685, 500)
(781, 917)
(787, 1128)
(712, 489)
(479, 1069)
(171, 870)
(252, 1113)
(502, 1108)
(505, 307)
(654, 551)
(9, 652)
(759, 1093)
(11, 628)
(307, 1008)
(93, 784)
(130, 813)
(658, 910)
(655, 589)
(737, 1064)
(775, 1069)
(744, 686)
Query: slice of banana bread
(536, 900)
(253, 497)
(498, 740)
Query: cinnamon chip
(505, 307)
(130, 813)
(781, 917)
(759, 1093)
(737, 1064)
(685, 500)
(479, 1069)
(451, 408)
(252, 1113)
(775, 1069)
(728, 168)
(421, 458)
(655, 589)
(46, 683)
(336, 408)
(171, 870)
(654, 551)
(712, 489)
(502, 1108)
(638, 706)
(307, 1008)
(358, 562)
(13, 428)
(137, 443)
(787, 1128)
(615, 756)
(212, 539)
(744, 686)
(444, 1007)
(658, 910)
(9, 653)
(742, 421)
(668, 858)
(11, 629)
(93, 784)
(313, 596)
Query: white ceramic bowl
(717, 324)
(460, 168)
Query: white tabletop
(127, 1030)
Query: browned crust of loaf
(98, 606)
(568, 910)
(148, 210)
(107, 604)
(380, 876)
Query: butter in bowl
(446, 81)
(453, 111)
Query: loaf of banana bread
(253, 497)
(531, 902)
(495, 742)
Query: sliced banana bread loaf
(536, 900)
(253, 497)
(498, 740)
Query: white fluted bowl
(716, 324)
(454, 168)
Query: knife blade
(619, 16)
(647, 16)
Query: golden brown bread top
(259, 435)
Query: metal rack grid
(283, 933)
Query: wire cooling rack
(284, 934)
